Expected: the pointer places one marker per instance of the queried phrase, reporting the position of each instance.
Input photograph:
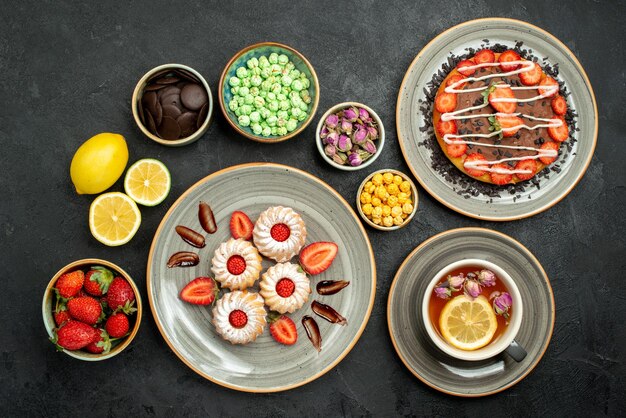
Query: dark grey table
(67, 72)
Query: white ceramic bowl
(380, 142)
(496, 346)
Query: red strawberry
(560, 133)
(528, 165)
(509, 124)
(285, 287)
(238, 318)
(284, 331)
(280, 232)
(484, 56)
(117, 325)
(506, 57)
(85, 309)
(74, 335)
(474, 171)
(462, 67)
(97, 280)
(240, 225)
(549, 146)
(102, 343)
(445, 102)
(61, 316)
(501, 178)
(120, 294)
(69, 284)
(446, 127)
(317, 257)
(559, 105)
(200, 291)
(502, 93)
(532, 77)
(454, 79)
(236, 265)
(548, 87)
(456, 150)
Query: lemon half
(114, 218)
(148, 182)
(468, 324)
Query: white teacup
(505, 341)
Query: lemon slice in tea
(114, 218)
(468, 324)
(147, 182)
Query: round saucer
(416, 350)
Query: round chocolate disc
(202, 115)
(171, 111)
(149, 100)
(150, 125)
(168, 90)
(193, 96)
(170, 79)
(171, 100)
(158, 113)
(142, 118)
(169, 128)
(187, 123)
(154, 87)
(186, 74)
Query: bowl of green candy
(269, 92)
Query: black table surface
(68, 72)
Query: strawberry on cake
(236, 264)
(499, 118)
(285, 287)
(239, 316)
(279, 233)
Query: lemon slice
(468, 324)
(147, 182)
(114, 218)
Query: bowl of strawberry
(91, 309)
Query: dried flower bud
(373, 132)
(442, 292)
(332, 121)
(344, 144)
(369, 147)
(350, 114)
(487, 278)
(364, 115)
(324, 132)
(332, 139)
(360, 136)
(346, 125)
(472, 288)
(355, 159)
(502, 303)
(456, 282)
(330, 150)
(340, 158)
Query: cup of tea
(472, 310)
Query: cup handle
(516, 351)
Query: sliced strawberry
(445, 102)
(531, 77)
(484, 56)
(238, 318)
(446, 127)
(474, 171)
(548, 87)
(560, 133)
(549, 146)
(454, 79)
(528, 165)
(284, 331)
(200, 291)
(317, 257)
(509, 56)
(462, 67)
(502, 93)
(456, 150)
(69, 284)
(559, 105)
(241, 226)
(510, 125)
(85, 309)
(500, 178)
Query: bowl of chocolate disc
(172, 105)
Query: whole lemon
(98, 163)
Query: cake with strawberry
(499, 118)
(285, 287)
(239, 316)
(236, 264)
(279, 233)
